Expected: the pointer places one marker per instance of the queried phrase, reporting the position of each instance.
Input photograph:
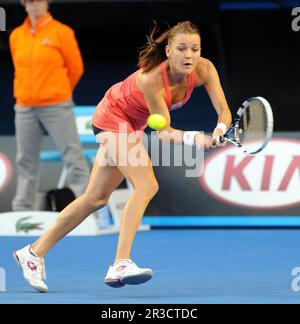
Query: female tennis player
(170, 68)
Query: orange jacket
(47, 62)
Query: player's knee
(154, 187)
(95, 202)
(148, 188)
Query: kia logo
(269, 180)
(5, 171)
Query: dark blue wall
(109, 35)
(256, 53)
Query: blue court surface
(192, 266)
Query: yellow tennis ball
(157, 122)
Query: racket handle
(219, 140)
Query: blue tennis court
(192, 266)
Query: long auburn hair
(154, 52)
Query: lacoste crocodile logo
(23, 226)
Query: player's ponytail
(154, 52)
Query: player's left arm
(214, 89)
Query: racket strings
(253, 126)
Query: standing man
(48, 66)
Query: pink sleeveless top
(124, 109)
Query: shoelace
(44, 269)
(41, 271)
(122, 261)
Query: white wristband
(223, 128)
(189, 137)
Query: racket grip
(218, 140)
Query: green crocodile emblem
(24, 226)
(88, 125)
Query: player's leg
(145, 187)
(138, 169)
(103, 180)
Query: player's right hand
(204, 142)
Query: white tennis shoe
(126, 272)
(33, 268)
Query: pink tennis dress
(124, 104)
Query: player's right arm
(153, 90)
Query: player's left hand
(217, 133)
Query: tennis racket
(252, 126)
